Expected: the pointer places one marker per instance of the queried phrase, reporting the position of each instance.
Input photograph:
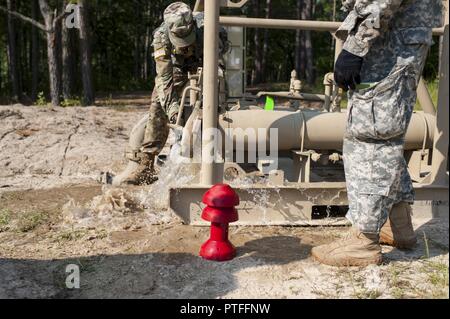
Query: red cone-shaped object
(220, 211)
(221, 196)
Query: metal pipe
(295, 96)
(134, 144)
(280, 24)
(209, 172)
(193, 96)
(323, 131)
(425, 100)
(199, 6)
(328, 83)
(311, 25)
(183, 102)
(337, 92)
(439, 163)
(338, 48)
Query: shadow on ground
(152, 275)
(432, 241)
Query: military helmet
(179, 20)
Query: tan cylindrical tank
(324, 131)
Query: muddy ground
(53, 213)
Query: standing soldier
(386, 45)
(178, 51)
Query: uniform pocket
(383, 112)
(361, 119)
(393, 103)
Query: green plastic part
(270, 104)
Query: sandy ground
(126, 244)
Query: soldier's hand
(347, 72)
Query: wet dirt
(127, 245)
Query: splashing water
(124, 208)
(115, 209)
(176, 172)
(262, 198)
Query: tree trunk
(1, 79)
(68, 61)
(34, 52)
(85, 53)
(58, 41)
(52, 53)
(148, 34)
(53, 68)
(266, 40)
(298, 40)
(258, 52)
(12, 53)
(22, 59)
(307, 44)
(67, 74)
(137, 40)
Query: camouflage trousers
(157, 130)
(378, 118)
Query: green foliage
(71, 102)
(29, 221)
(5, 218)
(121, 45)
(41, 100)
(433, 89)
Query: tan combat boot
(145, 173)
(355, 249)
(398, 230)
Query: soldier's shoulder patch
(159, 53)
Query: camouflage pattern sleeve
(366, 20)
(164, 69)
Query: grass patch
(365, 293)
(41, 100)
(29, 221)
(399, 287)
(5, 219)
(360, 291)
(437, 276)
(71, 235)
(71, 103)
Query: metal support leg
(438, 175)
(302, 166)
(209, 172)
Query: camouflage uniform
(175, 57)
(393, 37)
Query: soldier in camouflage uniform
(178, 51)
(386, 45)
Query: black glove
(347, 72)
